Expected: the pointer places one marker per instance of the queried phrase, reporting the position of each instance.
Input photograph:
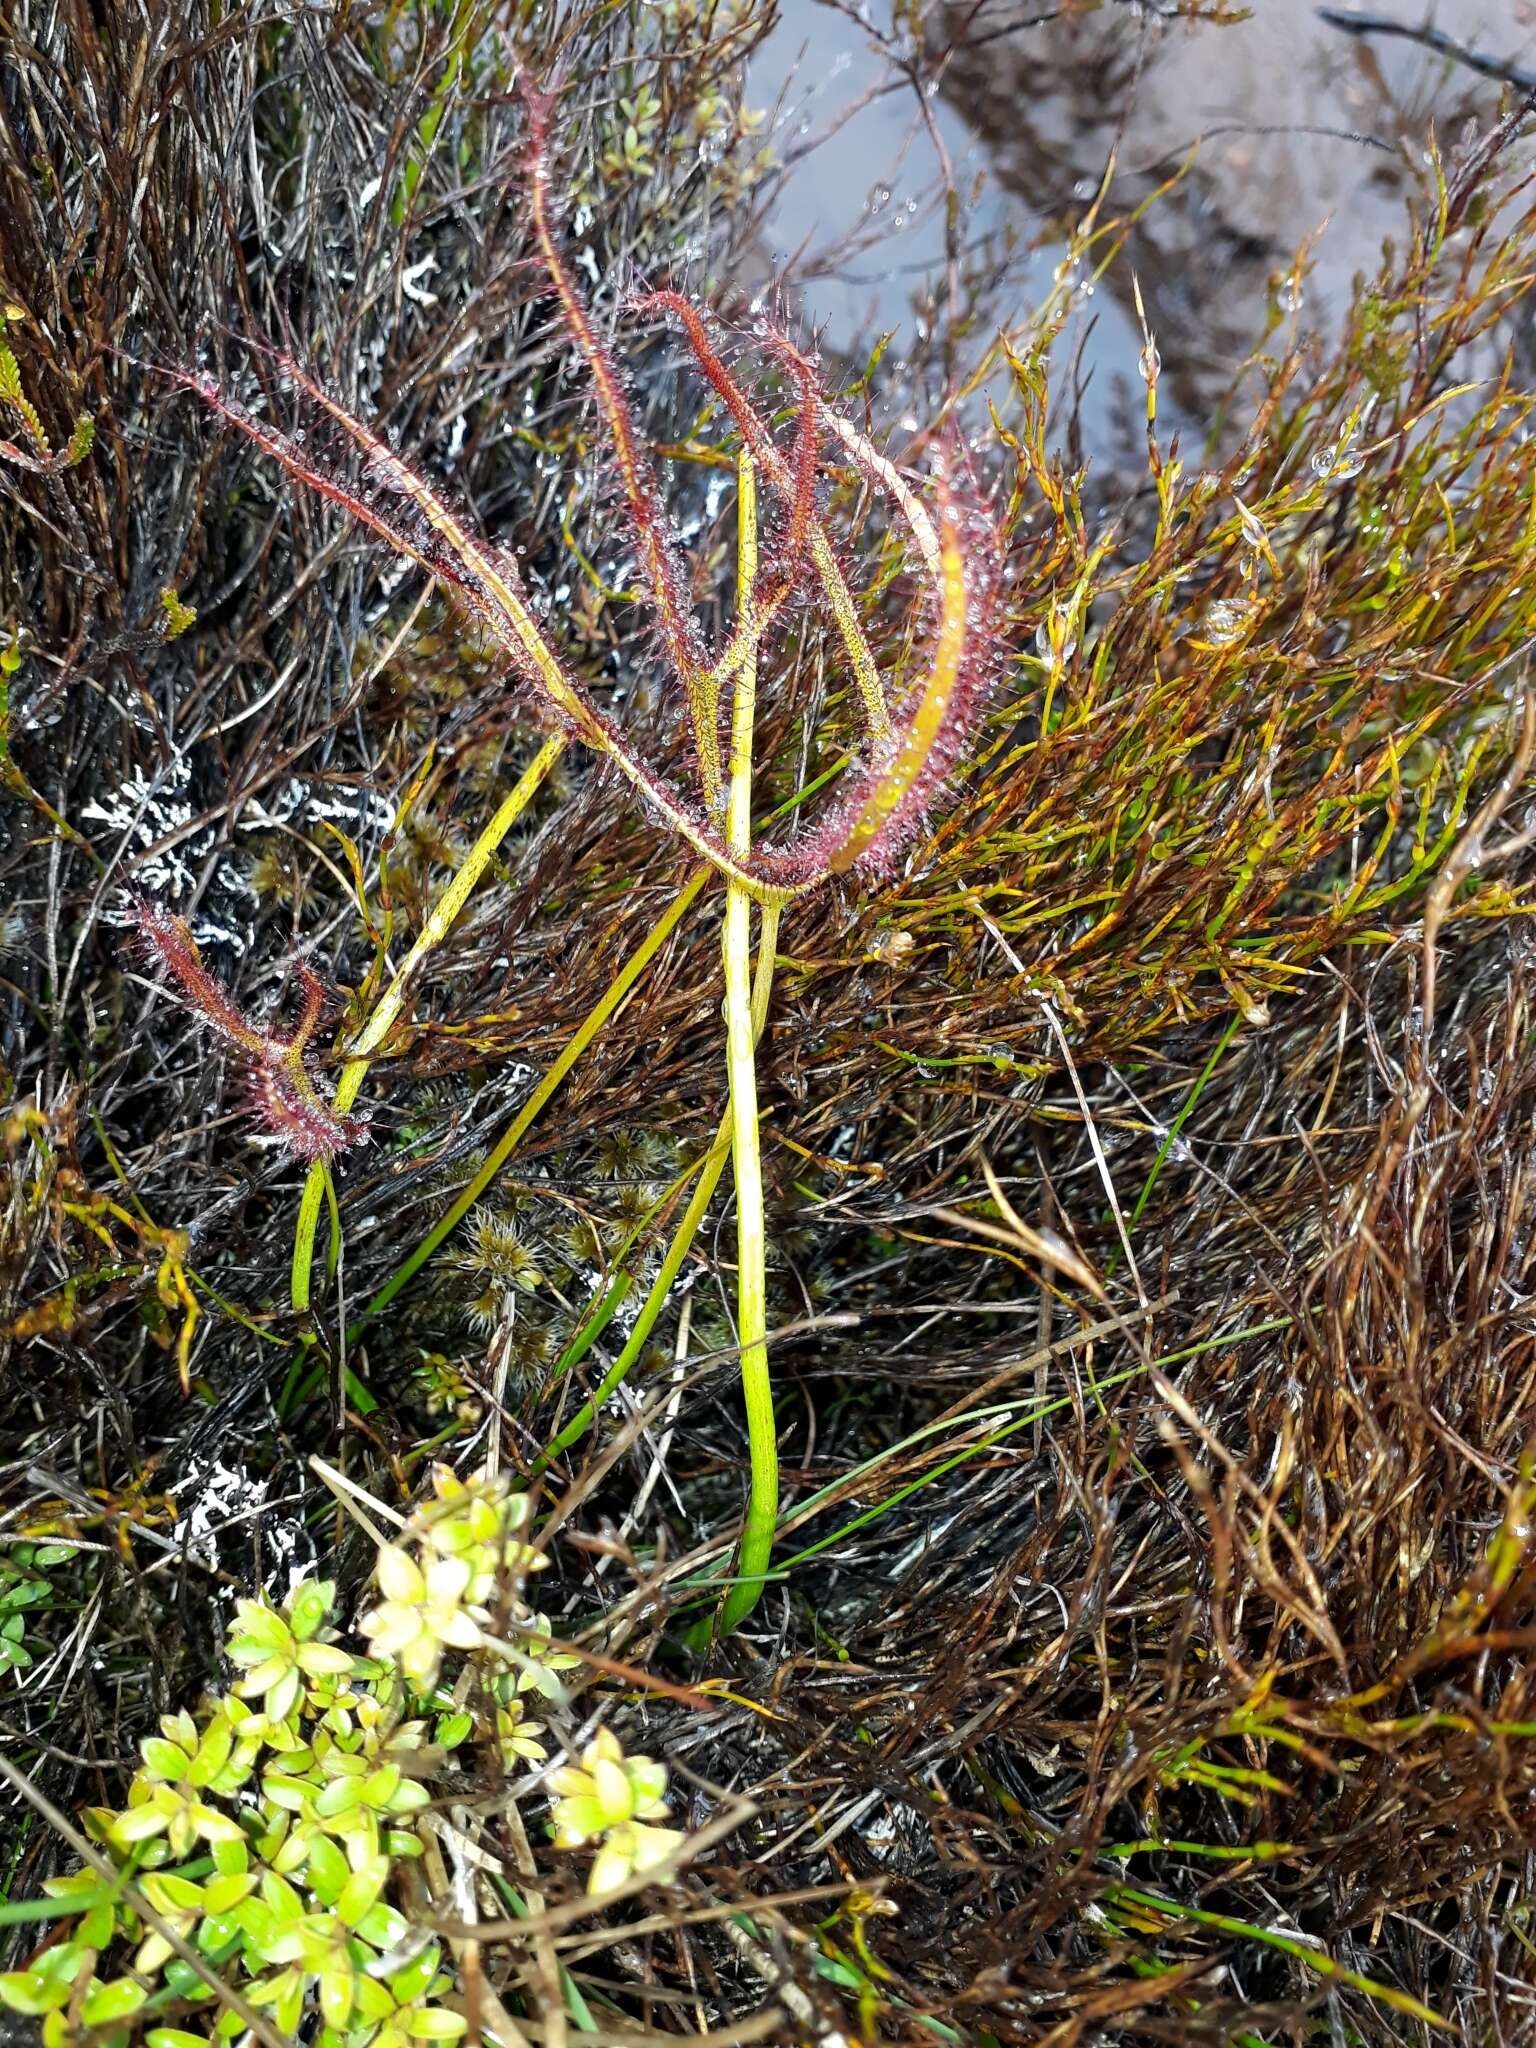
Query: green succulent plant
(25, 1585)
(614, 1800)
(270, 1831)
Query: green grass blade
(1317, 1960)
(1186, 1110)
(387, 1010)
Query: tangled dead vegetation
(1149, 1164)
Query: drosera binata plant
(906, 751)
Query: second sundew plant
(905, 753)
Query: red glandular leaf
(280, 1091)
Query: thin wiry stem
(758, 607)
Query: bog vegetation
(769, 1164)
